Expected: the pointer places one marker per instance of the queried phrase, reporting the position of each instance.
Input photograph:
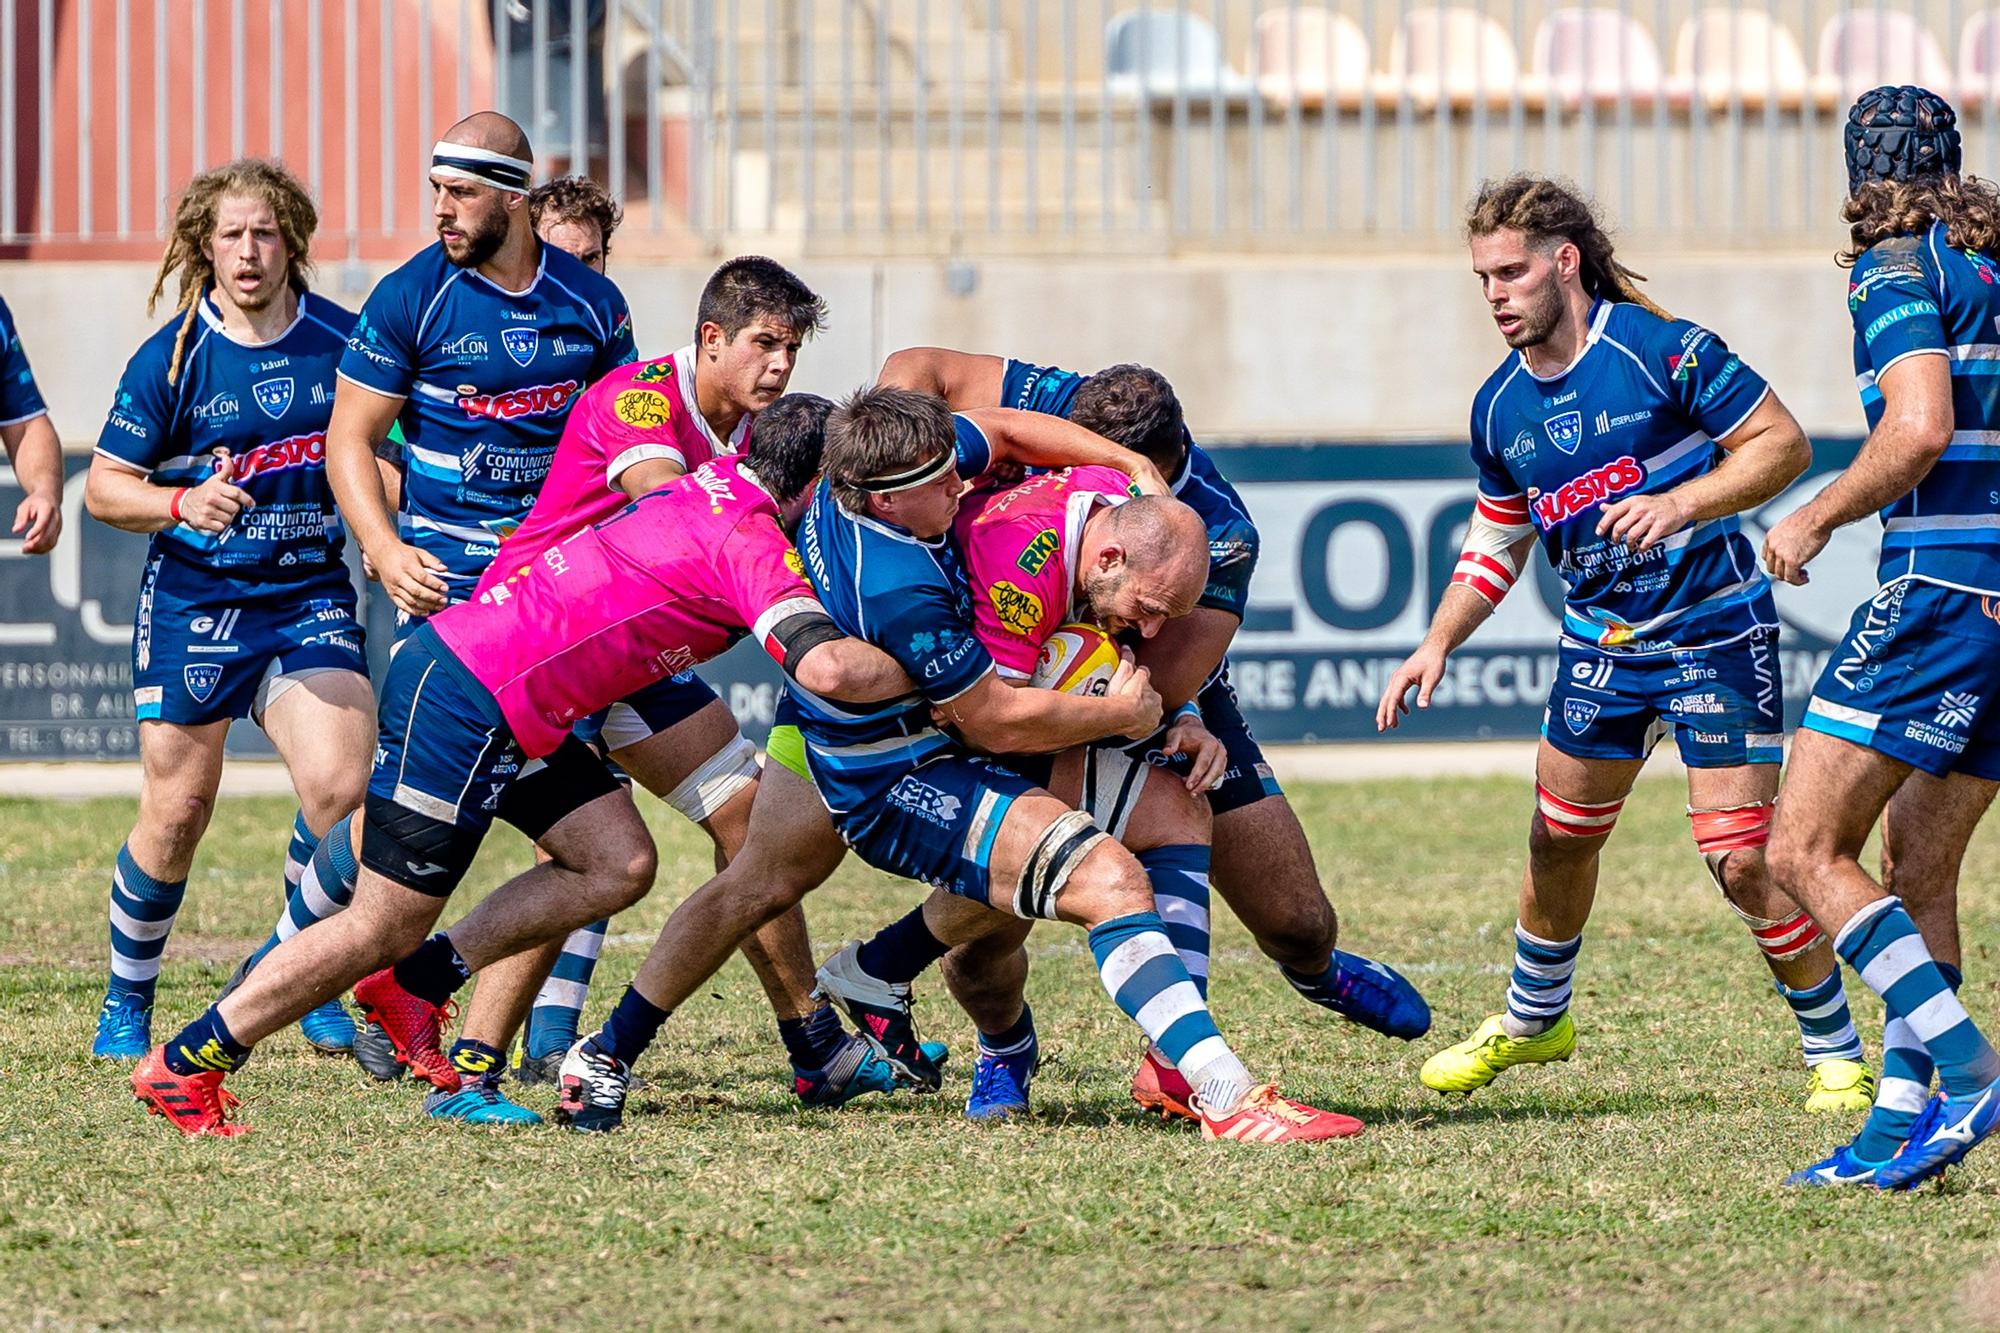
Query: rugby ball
(1077, 659)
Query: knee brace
(1054, 858)
(1574, 819)
(710, 787)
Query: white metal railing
(899, 126)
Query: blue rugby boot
(855, 1069)
(478, 1101)
(124, 1027)
(1842, 1167)
(1364, 991)
(883, 1012)
(329, 1028)
(1000, 1084)
(1949, 1128)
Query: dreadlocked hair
(1968, 207)
(194, 227)
(1545, 210)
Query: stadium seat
(1742, 53)
(1979, 58)
(1861, 49)
(1159, 52)
(1597, 53)
(1311, 55)
(1455, 57)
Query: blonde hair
(194, 227)
(1968, 207)
(1545, 210)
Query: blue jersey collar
(1600, 313)
(212, 317)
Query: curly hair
(576, 199)
(194, 228)
(1546, 210)
(1968, 206)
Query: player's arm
(121, 497)
(1494, 556)
(850, 670)
(361, 421)
(966, 380)
(1186, 652)
(1914, 430)
(1002, 717)
(1762, 456)
(36, 455)
(1037, 439)
(650, 475)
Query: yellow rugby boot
(1478, 1060)
(1840, 1085)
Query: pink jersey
(640, 411)
(667, 583)
(1019, 543)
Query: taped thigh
(716, 781)
(1576, 819)
(1113, 781)
(1069, 838)
(1736, 828)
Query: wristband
(1187, 710)
(174, 504)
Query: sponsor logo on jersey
(714, 485)
(1522, 447)
(1040, 547)
(654, 372)
(795, 562)
(1565, 431)
(224, 406)
(201, 679)
(1858, 666)
(273, 397)
(644, 409)
(308, 450)
(1705, 702)
(1578, 714)
(468, 347)
(1606, 423)
(1584, 492)
(1896, 315)
(1018, 609)
(925, 801)
(1981, 265)
(521, 344)
(537, 400)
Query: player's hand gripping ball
(1077, 659)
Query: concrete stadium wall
(1366, 349)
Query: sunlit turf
(1635, 1187)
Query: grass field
(1634, 1187)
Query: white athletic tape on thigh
(710, 787)
(1112, 784)
(276, 685)
(1056, 855)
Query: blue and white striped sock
(1905, 1085)
(1826, 1028)
(326, 887)
(1539, 993)
(142, 913)
(299, 854)
(1882, 944)
(1144, 975)
(553, 1022)
(1179, 876)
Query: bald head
(1143, 563)
(493, 132)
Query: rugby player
(792, 846)
(576, 214)
(475, 349)
(1263, 865)
(1903, 716)
(216, 446)
(1628, 441)
(34, 450)
(477, 714)
(914, 801)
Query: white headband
(457, 161)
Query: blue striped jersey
(909, 596)
(488, 377)
(20, 400)
(1232, 534)
(1916, 296)
(266, 405)
(1637, 412)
